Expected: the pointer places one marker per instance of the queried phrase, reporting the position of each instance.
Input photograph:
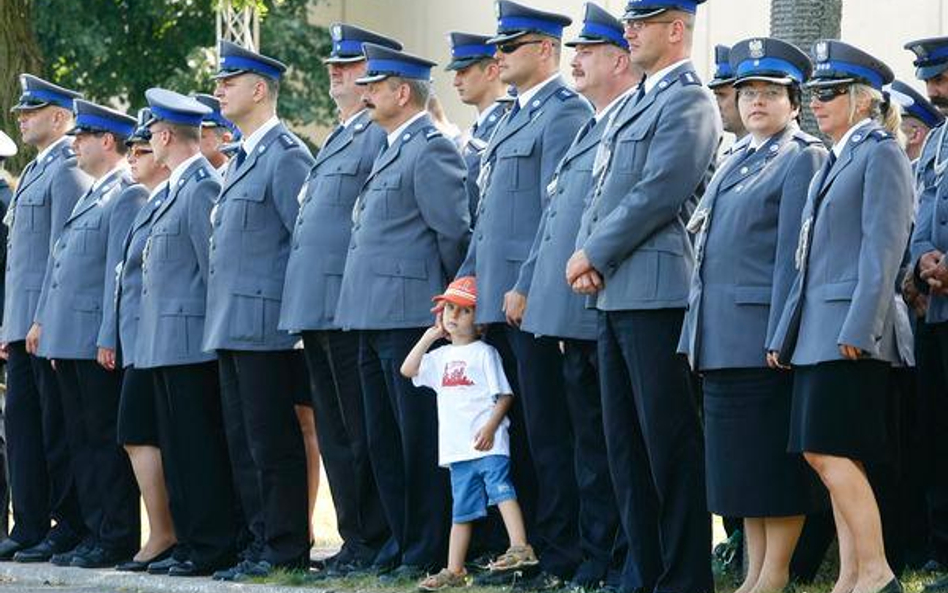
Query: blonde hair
(880, 110)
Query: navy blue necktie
(514, 111)
(333, 135)
(241, 156)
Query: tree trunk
(19, 52)
(802, 23)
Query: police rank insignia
(822, 51)
(756, 47)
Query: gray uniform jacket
(856, 224)
(517, 166)
(128, 296)
(744, 252)
(410, 231)
(553, 309)
(253, 223)
(653, 164)
(931, 218)
(175, 272)
(473, 150)
(324, 224)
(79, 287)
(45, 196)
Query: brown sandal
(443, 580)
(515, 558)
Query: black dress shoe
(142, 565)
(189, 569)
(66, 558)
(41, 552)
(545, 581)
(9, 547)
(164, 565)
(100, 557)
(244, 571)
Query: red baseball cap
(461, 292)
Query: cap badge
(336, 32)
(756, 47)
(822, 51)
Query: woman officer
(748, 224)
(837, 326)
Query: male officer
(725, 94)
(171, 327)
(477, 81)
(68, 329)
(410, 229)
(634, 259)
(41, 478)
(928, 245)
(604, 75)
(216, 131)
(919, 117)
(310, 296)
(253, 221)
(517, 166)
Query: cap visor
(505, 37)
(781, 80)
(228, 74)
(22, 107)
(343, 60)
(637, 15)
(455, 300)
(822, 83)
(719, 82)
(463, 63)
(369, 79)
(585, 41)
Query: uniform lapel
(344, 138)
(90, 199)
(508, 126)
(391, 153)
(235, 174)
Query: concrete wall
(880, 27)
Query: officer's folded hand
(33, 338)
(106, 358)
(588, 283)
(773, 361)
(850, 352)
(4, 351)
(577, 265)
(515, 304)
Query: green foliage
(113, 50)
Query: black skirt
(299, 381)
(137, 423)
(839, 408)
(749, 471)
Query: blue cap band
(176, 117)
(398, 68)
(600, 30)
(723, 70)
(938, 54)
(473, 51)
(348, 47)
(873, 77)
(509, 24)
(919, 112)
(764, 66)
(242, 63)
(50, 97)
(87, 120)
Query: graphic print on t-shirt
(454, 374)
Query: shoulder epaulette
(881, 135)
(202, 173)
(689, 78)
(564, 94)
(288, 140)
(806, 139)
(431, 133)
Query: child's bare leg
(458, 545)
(513, 521)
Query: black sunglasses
(829, 93)
(512, 46)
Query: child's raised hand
(484, 439)
(436, 331)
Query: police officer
(137, 426)
(477, 81)
(634, 259)
(410, 229)
(919, 117)
(41, 478)
(517, 166)
(310, 296)
(168, 343)
(722, 85)
(253, 220)
(68, 328)
(216, 131)
(605, 76)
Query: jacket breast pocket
(388, 198)
(165, 241)
(631, 149)
(182, 321)
(517, 167)
(31, 210)
(404, 282)
(256, 307)
(248, 206)
(336, 180)
(839, 291)
(752, 295)
(87, 235)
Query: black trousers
(108, 493)
(196, 465)
(267, 456)
(598, 514)
(40, 472)
(402, 428)
(332, 358)
(655, 447)
(549, 434)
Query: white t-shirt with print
(468, 380)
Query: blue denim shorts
(477, 484)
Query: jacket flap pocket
(515, 149)
(259, 288)
(171, 227)
(401, 268)
(190, 307)
(669, 242)
(31, 198)
(389, 182)
(518, 250)
(752, 295)
(252, 192)
(341, 167)
(636, 133)
(86, 303)
(839, 291)
(89, 221)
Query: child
(473, 400)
